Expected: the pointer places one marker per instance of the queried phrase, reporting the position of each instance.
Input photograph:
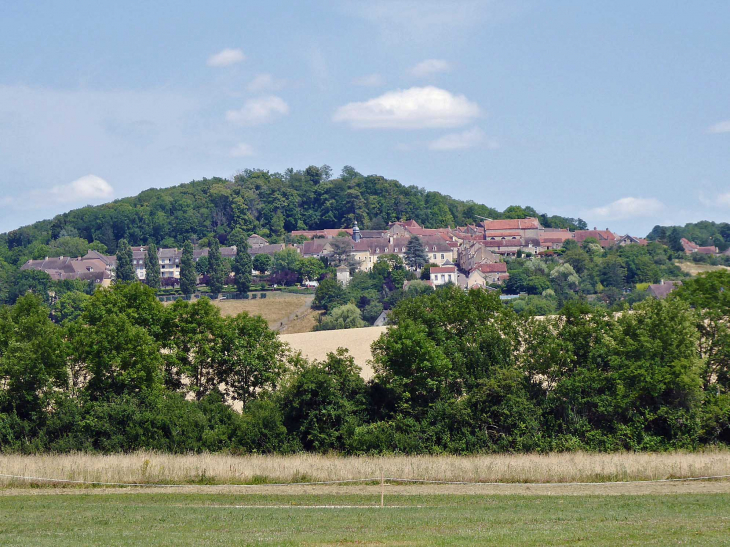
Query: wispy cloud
(88, 187)
(720, 200)
(258, 111)
(265, 82)
(370, 80)
(226, 57)
(413, 108)
(419, 20)
(470, 138)
(242, 150)
(428, 67)
(720, 127)
(627, 208)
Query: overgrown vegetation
(613, 278)
(458, 372)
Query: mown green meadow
(225, 519)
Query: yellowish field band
(149, 467)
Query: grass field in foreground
(187, 519)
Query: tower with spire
(356, 233)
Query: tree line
(457, 372)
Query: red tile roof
(496, 267)
(515, 224)
(443, 270)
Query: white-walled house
(443, 275)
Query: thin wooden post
(382, 488)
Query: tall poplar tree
(188, 276)
(125, 268)
(215, 267)
(242, 267)
(152, 267)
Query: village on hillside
(469, 256)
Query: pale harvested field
(316, 345)
(211, 469)
(304, 323)
(693, 268)
(275, 308)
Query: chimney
(594, 228)
(661, 282)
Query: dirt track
(694, 487)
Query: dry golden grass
(693, 268)
(275, 308)
(316, 345)
(304, 323)
(149, 467)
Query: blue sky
(616, 112)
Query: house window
(434, 255)
(442, 256)
(377, 249)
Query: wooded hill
(270, 204)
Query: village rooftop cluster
(470, 256)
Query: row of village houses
(475, 250)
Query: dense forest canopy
(270, 204)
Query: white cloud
(258, 111)
(89, 187)
(242, 150)
(428, 67)
(226, 57)
(370, 80)
(413, 108)
(265, 82)
(460, 141)
(626, 208)
(720, 127)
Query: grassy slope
(186, 519)
(277, 307)
(694, 268)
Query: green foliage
(29, 281)
(125, 269)
(323, 402)
(242, 267)
(216, 269)
(188, 277)
(416, 256)
(152, 267)
(329, 294)
(286, 260)
(262, 263)
(343, 317)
